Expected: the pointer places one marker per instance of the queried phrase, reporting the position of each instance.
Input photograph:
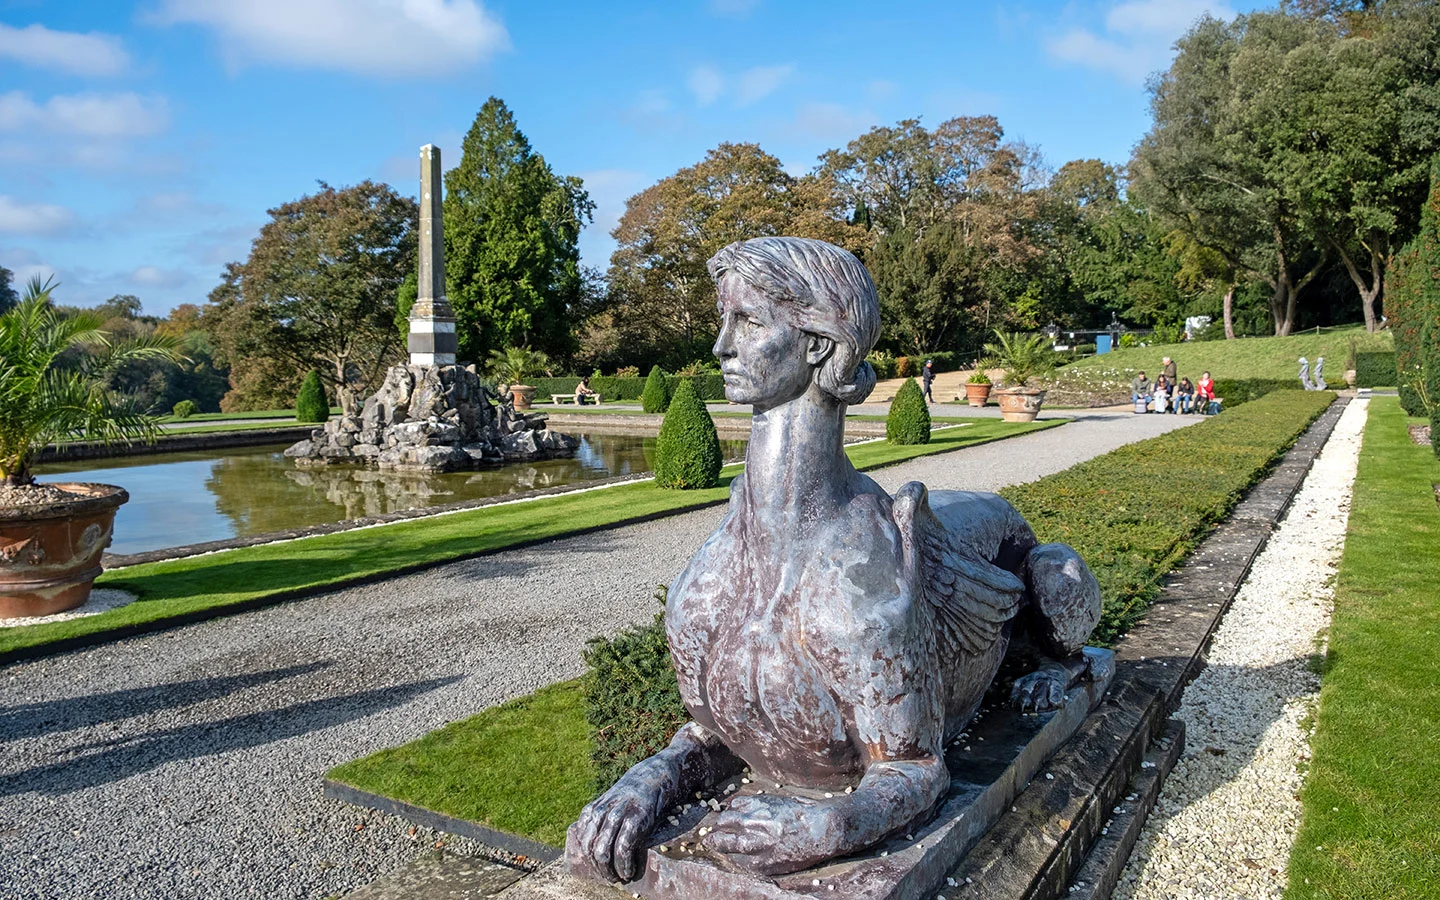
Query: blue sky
(141, 143)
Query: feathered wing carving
(971, 598)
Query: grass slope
(274, 572)
(1118, 509)
(1370, 829)
(1270, 357)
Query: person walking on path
(927, 375)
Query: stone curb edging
(1065, 837)
(419, 815)
(178, 443)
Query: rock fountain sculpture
(833, 642)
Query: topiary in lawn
(909, 419)
(655, 399)
(687, 452)
(310, 403)
(184, 409)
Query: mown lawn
(1124, 511)
(1371, 823)
(274, 572)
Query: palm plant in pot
(977, 387)
(1025, 358)
(513, 366)
(52, 369)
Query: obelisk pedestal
(432, 340)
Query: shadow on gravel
(35, 719)
(131, 755)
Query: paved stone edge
(419, 815)
(178, 443)
(1039, 849)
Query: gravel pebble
(1227, 816)
(188, 763)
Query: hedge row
(1375, 368)
(1133, 514)
(1235, 391)
(628, 387)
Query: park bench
(559, 399)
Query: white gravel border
(101, 600)
(1227, 816)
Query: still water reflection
(190, 498)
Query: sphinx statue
(829, 637)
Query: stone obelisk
(432, 339)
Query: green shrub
(1129, 339)
(909, 418)
(1168, 334)
(1375, 368)
(632, 700)
(184, 409)
(310, 403)
(1135, 512)
(883, 364)
(1412, 290)
(1235, 391)
(904, 367)
(687, 451)
(978, 377)
(656, 398)
(1429, 385)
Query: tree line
(1285, 167)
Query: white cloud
(30, 219)
(831, 121)
(368, 37)
(706, 83)
(1138, 36)
(89, 115)
(156, 277)
(760, 82)
(64, 51)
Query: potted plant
(1024, 358)
(977, 388)
(514, 366)
(52, 388)
(1350, 354)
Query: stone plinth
(433, 419)
(1002, 752)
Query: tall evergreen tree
(512, 227)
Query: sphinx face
(762, 353)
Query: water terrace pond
(190, 498)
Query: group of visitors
(1167, 394)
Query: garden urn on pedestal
(1019, 404)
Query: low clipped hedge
(1375, 368)
(628, 388)
(1235, 391)
(1133, 514)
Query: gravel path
(1227, 816)
(188, 763)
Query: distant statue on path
(1320, 384)
(1305, 375)
(828, 636)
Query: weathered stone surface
(301, 450)
(520, 445)
(447, 878)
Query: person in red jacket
(1205, 395)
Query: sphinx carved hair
(829, 293)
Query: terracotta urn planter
(523, 395)
(977, 394)
(50, 552)
(1019, 404)
(1350, 378)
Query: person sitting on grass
(1140, 387)
(583, 393)
(1185, 397)
(1162, 393)
(1205, 395)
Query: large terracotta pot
(50, 554)
(977, 394)
(1019, 404)
(523, 395)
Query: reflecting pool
(191, 498)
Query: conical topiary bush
(909, 419)
(687, 452)
(310, 405)
(655, 399)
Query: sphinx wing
(972, 599)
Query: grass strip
(235, 426)
(540, 739)
(1370, 825)
(245, 576)
(1135, 512)
(1157, 520)
(235, 416)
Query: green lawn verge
(258, 425)
(1370, 827)
(541, 739)
(254, 574)
(1133, 490)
